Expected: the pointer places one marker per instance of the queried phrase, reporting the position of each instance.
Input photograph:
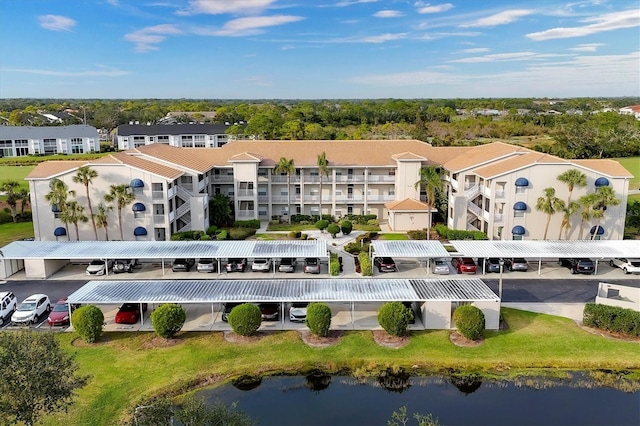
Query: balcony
(350, 198)
(381, 179)
(500, 194)
(380, 198)
(245, 193)
(283, 179)
(246, 213)
(349, 178)
(263, 198)
(158, 219)
(498, 219)
(157, 195)
(222, 178)
(284, 198)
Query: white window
(517, 238)
(314, 192)
(521, 189)
(518, 213)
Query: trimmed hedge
(168, 319)
(333, 229)
(366, 268)
(346, 227)
(394, 317)
(88, 322)
(361, 219)
(222, 235)
(612, 318)
(240, 233)
(420, 234)
(318, 319)
(251, 223)
(469, 321)
(212, 230)
(322, 224)
(457, 234)
(187, 236)
(334, 265)
(245, 319)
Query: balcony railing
(380, 198)
(284, 198)
(498, 219)
(245, 193)
(500, 194)
(350, 198)
(263, 198)
(157, 195)
(158, 219)
(347, 178)
(381, 179)
(222, 178)
(245, 213)
(283, 179)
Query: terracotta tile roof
(516, 162)
(48, 169)
(245, 156)
(407, 204)
(481, 154)
(197, 159)
(608, 167)
(407, 156)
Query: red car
(60, 313)
(129, 313)
(464, 265)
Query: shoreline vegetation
(129, 369)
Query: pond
(342, 400)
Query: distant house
(180, 135)
(174, 117)
(631, 110)
(18, 141)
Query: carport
(44, 258)
(437, 297)
(408, 249)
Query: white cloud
(501, 18)
(218, 7)
(351, 3)
(597, 24)
(388, 14)
(475, 50)
(56, 22)
(114, 2)
(104, 72)
(254, 24)
(589, 47)
(435, 36)
(438, 8)
(147, 38)
(383, 38)
(508, 57)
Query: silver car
(206, 265)
(440, 267)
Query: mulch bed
(79, 343)
(383, 338)
(459, 340)
(312, 340)
(161, 342)
(610, 335)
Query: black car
(182, 265)
(227, 310)
(385, 264)
(124, 265)
(579, 266)
(269, 311)
(236, 265)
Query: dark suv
(579, 266)
(182, 265)
(385, 264)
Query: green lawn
(126, 368)
(16, 173)
(10, 232)
(633, 165)
(396, 237)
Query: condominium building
(493, 188)
(19, 141)
(198, 135)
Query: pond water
(343, 400)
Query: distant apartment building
(492, 188)
(180, 135)
(631, 110)
(18, 141)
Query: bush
(612, 318)
(365, 264)
(168, 319)
(322, 224)
(5, 217)
(241, 233)
(251, 223)
(299, 218)
(420, 234)
(245, 319)
(355, 248)
(222, 235)
(187, 236)
(394, 317)
(469, 321)
(87, 322)
(304, 236)
(212, 230)
(333, 229)
(295, 234)
(334, 265)
(346, 227)
(361, 219)
(318, 319)
(457, 234)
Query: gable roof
(605, 166)
(140, 163)
(516, 162)
(47, 169)
(48, 132)
(481, 154)
(171, 129)
(408, 204)
(198, 159)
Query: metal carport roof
(308, 290)
(545, 249)
(163, 249)
(412, 248)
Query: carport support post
(595, 271)
(163, 267)
(539, 266)
(141, 315)
(353, 323)
(501, 261)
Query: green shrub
(612, 318)
(365, 264)
(373, 222)
(394, 317)
(318, 319)
(361, 219)
(168, 319)
(304, 236)
(458, 234)
(333, 229)
(241, 233)
(295, 234)
(5, 217)
(212, 230)
(322, 224)
(245, 319)
(88, 322)
(187, 236)
(355, 247)
(251, 223)
(420, 234)
(469, 321)
(346, 227)
(205, 237)
(334, 265)
(222, 235)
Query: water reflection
(466, 383)
(318, 380)
(246, 383)
(392, 381)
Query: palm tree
(431, 181)
(85, 176)
(102, 218)
(573, 178)
(549, 204)
(58, 194)
(25, 198)
(286, 166)
(604, 196)
(568, 211)
(10, 188)
(73, 213)
(587, 213)
(122, 195)
(323, 169)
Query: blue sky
(318, 49)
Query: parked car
(464, 265)
(312, 265)
(60, 313)
(517, 264)
(207, 265)
(492, 264)
(8, 305)
(99, 267)
(129, 313)
(298, 311)
(385, 264)
(288, 264)
(269, 311)
(124, 265)
(182, 265)
(440, 266)
(226, 310)
(628, 266)
(579, 266)
(236, 265)
(32, 309)
(261, 265)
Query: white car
(261, 265)
(206, 265)
(32, 309)
(298, 311)
(8, 305)
(99, 267)
(440, 266)
(629, 266)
